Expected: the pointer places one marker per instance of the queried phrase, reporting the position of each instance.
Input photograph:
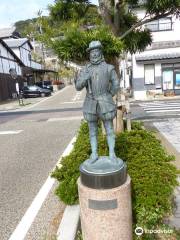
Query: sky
(12, 11)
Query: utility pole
(42, 45)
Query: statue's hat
(94, 45)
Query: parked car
(45, 85)
(35, 91)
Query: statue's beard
(96, 60)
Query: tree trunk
(113, 21)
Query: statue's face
(95, 55)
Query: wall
(138, 84)
(24, 52)
(7, 84)
(8, 61)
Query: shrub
(68, 174)
(152, 174)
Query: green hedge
(152, 173)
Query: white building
(9, 61)
(28, 70)
(157, 70)
(22, 47)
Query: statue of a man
(101, 83)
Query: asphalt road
(155, 110)
(31, 142)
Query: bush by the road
(149, 166)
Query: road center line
(10, 132)
(65, 119)
(72, 102)
(28, 218)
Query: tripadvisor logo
(139, 231)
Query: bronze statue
(101, 83)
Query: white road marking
(77, 96)
(164, 110)
(160, 107)
(162, 103)
(152, 120)
(71, 102)
(168, 107)
(28, 218)
(64, 119)
(10, 132)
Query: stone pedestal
(106, 214)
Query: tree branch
(144, 21)
(105, 13)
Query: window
(29, 56)
(164, 24)
(177, 79)
(149, 74)
(34, 88)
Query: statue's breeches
(90, 117)
(102, 107)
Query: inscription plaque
(103, 205)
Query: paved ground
(31, 142)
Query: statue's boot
(93, 142)
(111, 145)
(94, 154)
(111, 140)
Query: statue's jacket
(101, 83)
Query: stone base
(104, 173)
(106, 214)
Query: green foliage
(75, 42)
(26, 27)
(162, 6)
(79, 236)
(136, 125)
(137, 40)
(153, 176)
(83, 14)
(73, 10)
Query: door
(168, 79)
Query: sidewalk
(11, 105)
(168, 133)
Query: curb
(71, 217)
(69, 224)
